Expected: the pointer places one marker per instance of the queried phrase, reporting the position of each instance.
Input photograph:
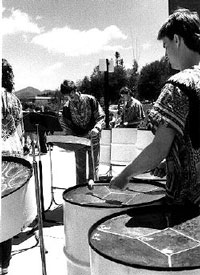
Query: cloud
(18, 22)
(51, 69)
(146, 46)
(73, 42)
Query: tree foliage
(146, 84)
(152, 78)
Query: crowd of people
(175, 149)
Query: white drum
(83, 207)
(18, 203)
(148, 241)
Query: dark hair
(185, 23)
(124, 91)
(7, 80)
(67, 86)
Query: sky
(47, 41)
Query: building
(193, 5)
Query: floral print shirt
(133, 111)
(81, 117)
(174, 108)
(11, 124)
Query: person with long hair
(11, 139)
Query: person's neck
(190, 60)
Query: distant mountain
(27, 92)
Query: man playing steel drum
(82, 116)
(175, 117)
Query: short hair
(7, 80)
(67, 87)
(124, 91)
(185, 23)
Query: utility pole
(107, 67)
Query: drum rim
(139, 266)
(22, 161)
(158, 184)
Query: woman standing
(11, 139)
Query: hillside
(27, 92)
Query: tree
(132, 76)
(152, 78)
(85, 85)
(97, 83)
(117, 80)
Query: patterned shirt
(11, 124)
(175, 108)
(133, 112)
(80, 117)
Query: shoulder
(88, 97)
(186, 77)
(136, 101)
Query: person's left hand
(119, 182)
(160, 170)
(93, 133)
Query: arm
(65, 121)
(99, 116)
(148, 159)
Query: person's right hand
(119, 182)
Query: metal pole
(40, 174)
(106, 94)
(39, 212)
(93, 164)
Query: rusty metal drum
(18, 204)
(83, 207)
(153, 240)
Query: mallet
(92, 184)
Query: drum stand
(53, 201)
(39, 211)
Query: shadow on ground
(51, 218)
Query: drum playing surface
(149, 177)
(102, 196)
(15, 172)
(145, 240)
(70, 143)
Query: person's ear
(177, 40)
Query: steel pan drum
(142, 242)
(83, 207)
(18, 205)
(71, 143)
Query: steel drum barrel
(145, 242)
(84, 207)
(18, 205)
